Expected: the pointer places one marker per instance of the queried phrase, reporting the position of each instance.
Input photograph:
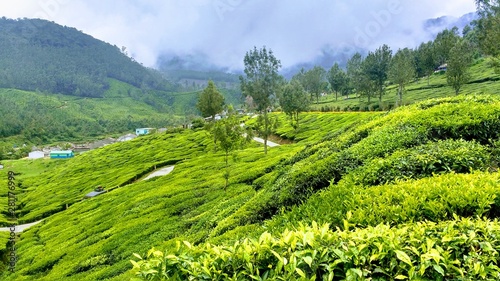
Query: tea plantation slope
(430, 143)
(111, 166)
(471, 118)
(94, 239)
(43, 118)
(317, 126)
(23, 169)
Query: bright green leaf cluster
(461, 249)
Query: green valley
(418, 157)
(384, 167)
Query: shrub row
(469, 118)
(423, 161)
(461, 249)
(434, 199)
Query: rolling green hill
(484, 80)
(59, 84)
(384, 173)
(44, 56)
(36, 118)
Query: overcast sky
(296, 30)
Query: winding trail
(260, 140)
(20, 228)
(269, 143)
(159, 173)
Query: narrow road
(269, 143)
(22, 227)
(159, 173)
(19, 228)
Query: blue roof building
(64, 154)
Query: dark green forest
(44, 56)
(59, 84)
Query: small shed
(64, 154)
(143, 131)
(36, 155)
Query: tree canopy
(261, 82)
(458, 65)
(293, 100)
(211, 101)
(402, 70)
(376, 67)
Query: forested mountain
(41, 55)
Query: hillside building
(143, 131)
(65, 154)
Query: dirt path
(19, 228)
(269, 143)
(162, 172)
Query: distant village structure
(143, 131)
(442, 68)
(59, 153)
(63, 154)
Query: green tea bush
(423, 161)
(461, 249)
(434, 199)
(470, 118)
(111, 166)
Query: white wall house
(36, 155)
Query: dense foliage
(38, 118)
(461, 249)
(44, 56)
(416, 142)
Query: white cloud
(296, 30)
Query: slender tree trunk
(226, 176)
(400, 95)
(266, 131)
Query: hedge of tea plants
(417, 172)
(434, 198)
(460, 249)
(457, 133)
(315, 126)
(93, 239)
